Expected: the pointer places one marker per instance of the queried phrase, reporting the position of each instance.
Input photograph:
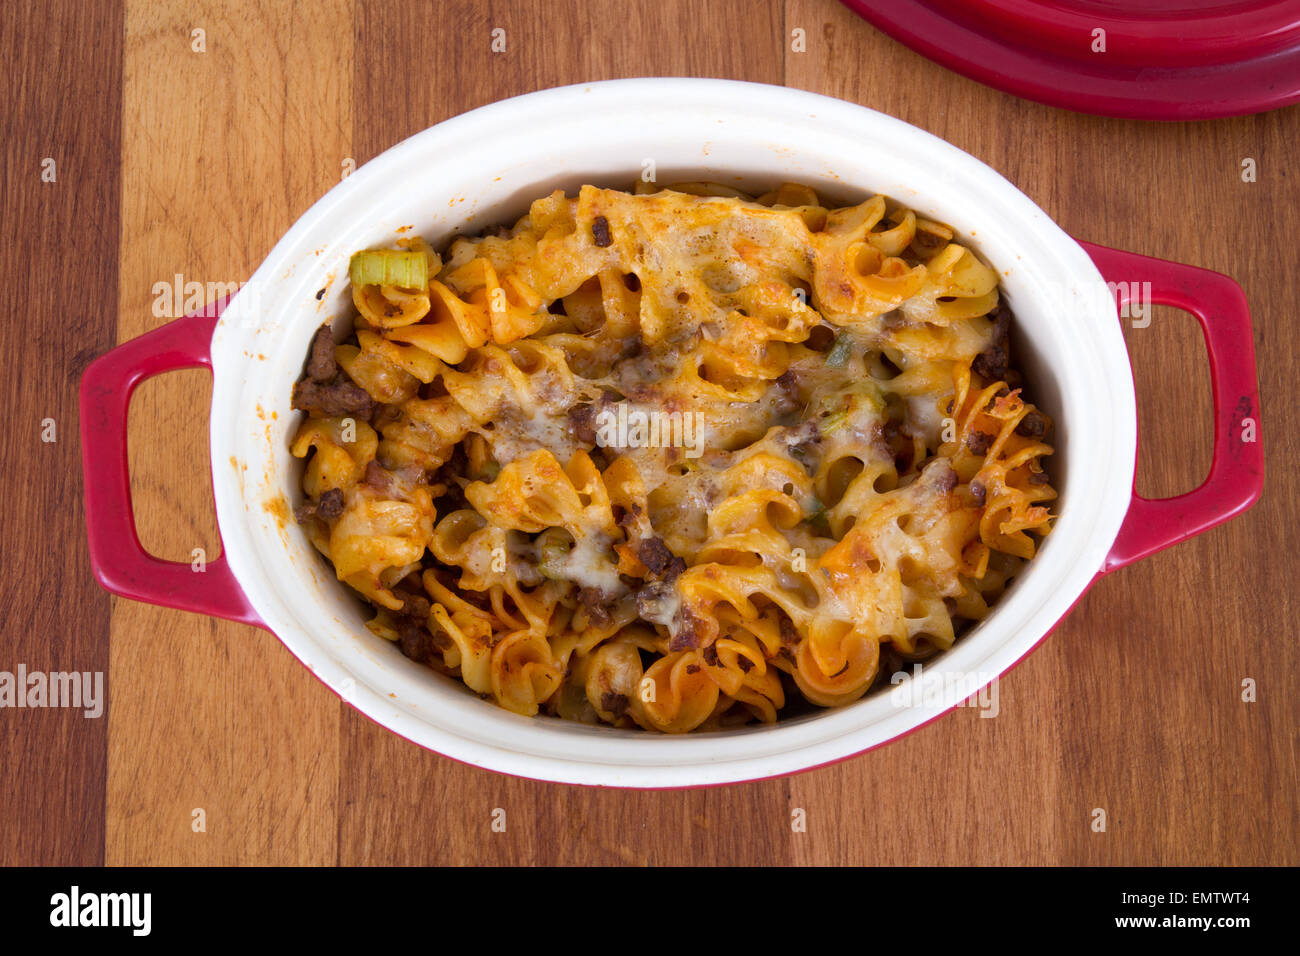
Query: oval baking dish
(482, 168)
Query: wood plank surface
(58, 265)
(222, 150)
(174, 161)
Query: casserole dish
(482, 168)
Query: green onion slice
(395, 267)
(839, 353)
(553, 547)
(834, 421)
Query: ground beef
(338, 399)
(654, 554)
(992, 362)
(600, 232)
(613, 703)
(582, 423)
(653, 602)
(415, 605)
(979, 442)
(928, 241)
(947, 480)
(321, 367)
(329, 507)
(415, 640)
(625, 518)
(789, 636)
(377, 477)
(978, 493)
(593, 602)
(686, 635)
(1033, 425)
(331, 504)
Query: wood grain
(1133, 705)
(59, 267)
(222, 150)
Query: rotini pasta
(675, 459)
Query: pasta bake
(676, 459)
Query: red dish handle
(1237, 475)
(119, 561)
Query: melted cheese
(746, 438)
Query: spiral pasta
(674, 459)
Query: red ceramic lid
(1160, 59)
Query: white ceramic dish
(484, 167)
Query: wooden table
(170, 161)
